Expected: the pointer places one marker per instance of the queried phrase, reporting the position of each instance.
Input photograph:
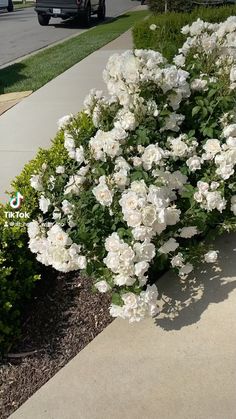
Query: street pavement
(20, 33)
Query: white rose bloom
(69, 143)
(116, 311)
(36, 182)
(60, 169)
(112, 148)
(33, 229)
(153, 27)
(229, 131)
(137, 161)
(56, 215)
(179, 148)
(112, 262)
(102, 286)
(129, 201)
(152, 155)
(188, 232)
(169, 246)
(113, 243)
(122, 280)
(141, 268)
(177, 261)
(233, 74)
(142, 233)
(148, 215)
(172, 215)
(199, 84)
(44, 204)
(133, 218)
(103, 194)
(215, 201)
(194, 163)
(211, 256)
(130, 300)
(145, 251)
(121, 178)
(179, 60)
(139, 187)
(233, 204)
(212, 147)
(79, 155)
(57, 236)
(64, 121)
(67, 207)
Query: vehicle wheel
(102, 11)
(10, 7)
(87, 16)
(43, 20)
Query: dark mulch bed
(63, 318)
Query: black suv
(70, 8)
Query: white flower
(81, 262)
(62, 122)
(179, 148)
(60, 169)
(153, 27)
(188, 232)
(141, 268)
(123, 279)
(152, 155)
(121, 178)
(36, 182)
(79, 155)
(233, 74)
(229, 131)
(102, 286)
(103, 194)
(169, 246)
(199, 84)
(67, 207)
(212, 147)
(194, 163)
(144, 251)
(179, 60)
(177, 261)
(69, 143)
(44, 204)
(113, 243)
(233, 204)
(149, 215)
(130, 300)
(33, 229)
(211, 256)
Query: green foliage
(18, 274)
(158, 6)
(18, 268)
(167, 37)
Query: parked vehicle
(84, 9)
(7, 4)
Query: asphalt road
(20, 33)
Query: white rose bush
(143, 188)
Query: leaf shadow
(182, 303)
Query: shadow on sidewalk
(11, 75)
(183, 302)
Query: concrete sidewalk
(182, 365)
(33, 122)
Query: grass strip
(20, 5)
(34, 72)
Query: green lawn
(20, 5)
(35, 71)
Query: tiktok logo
(15, 201)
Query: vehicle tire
(10, 7)
(43, 19)
(102, 10)
(87, 16)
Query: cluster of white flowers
(150, 169)
(55, 248)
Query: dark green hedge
(158, 6)
(167, 38)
